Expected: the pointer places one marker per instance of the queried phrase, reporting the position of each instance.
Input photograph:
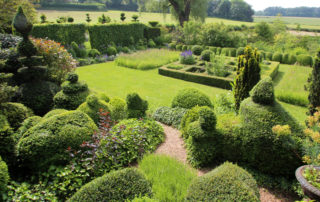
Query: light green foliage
(26, 125)
(54, 112)
(227, 182)
(277, 57)
(6, 140)
(191, 32)
(170, 178)
(224, 103)
(4, 176)
(263, 92)
(149, 59)
(118, 108)
(264, 31)
(314, 86)
(115, 186)
(305, 60)
(169, 116)
(190, 97)
(46, 143)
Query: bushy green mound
(225, 51)
(119, 185)
(227, 182)
(189, 98)
(292, 59)
(93, 106)
(197, 50)
(118, 109)
(269, 55)
(263, 92)
(144, 199)
(46, 143)
(232, 52)
(277, 57)
(169, 116)
(240, 51)
(54, 112)
(104, 97)
(305, 60)
(137, 107)
(6, 139)
(25, 126)
(73, 93)
(4, 176)
(285, 58)
(16, 113)
(205, 55)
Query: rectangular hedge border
(224, 83)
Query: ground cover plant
(149, 59)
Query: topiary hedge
(269, 56)
(152, 32)
(206, 55)
(15, 113)
(169, 116)
(227, 182)
(4, 177)
(137, 107)
(190, 97)
(285, 58)
(63, 33)
(54, 112)
(277, 57)
(25, 126)
(263, 92)
(119, 185)
(232, 52)
(240, 51)
(292, 59)
(197, 50)
(46, 143)
(118, 108)
(6, 140)
(305, 60)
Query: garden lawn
(290, 82)
(149, 59)
(158, 90)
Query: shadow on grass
(278, 78)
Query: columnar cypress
(314, 86)
(248, 74)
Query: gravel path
(174, 146)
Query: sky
(259, 5)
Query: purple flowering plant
(187, 58)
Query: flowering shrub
(187, 58)
(59, 61)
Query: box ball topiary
(305, 60)
(197, 50)
(70, 101)
(263, 92)
(25, 126)
(227, 182)
(54, 112)
(206, 55)
(292, 59)
(277, 57)
(122, 185)
(137, 107)
(4, 176)
(118, 109)
(15, 113)
(7, 143)
(72, 77)
(285, 58)
(111, 50)
(46, 143)
(93, 106)
(189, 98)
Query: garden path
(174, 146)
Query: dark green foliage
(172, 46)
(227, 182)
(248, 75)
(153, 23)
(262, 55)
(305, 60)
(94, 53)
(197, 50)
(137, 107)
(119, 185)
(314, 86)
(122, 17)
(72, 77)
(152, 32)
(88, 19)
(46, 143)
(111, 50)
(169, 116)
(189, 98)
(292, 59)
(269, 55)
(15, 113)
(213, 49)
(6, 140)
(184, 47)
(205, 55)
(118, 108)
(92, 106)
(21, 23)
(102, 35)
(271, 153)
(70, 19)
(263, 92)
(80, 52)
(62, 33)
(4, 177)
(225, 51)
(285, 58)
(232, 52)
(277, 57)
(26, 48)
(26, 125)
(135, 18)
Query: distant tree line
(297, 12)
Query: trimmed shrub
(93, 53)
(184, 48)
(104, 97)
(285, 58)
(6, 140)
(218, 52)
(197, 50)
(206, 55)
(232, 52)
(277, 57)
(4, 177)
(179, 47)
(93, 106)
(169, 116)
(292, 59)
(111, 50)
(263, 92)
(152, 32)
(213, 49)
(225, 52)
(305, 60)
(190, 97)
(227, 182)
(25, 126)
(54, 112)
(269, 56)
(151, 44)
(137, 107)
(240, 51)
(119, 185)
(118, 108)
(15, 113)
(45, 144)
(314, 86)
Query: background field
(80, 16)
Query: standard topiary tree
(227, 182)
(73, 93)
(248, 75)
(263, 92)
(137, 107)
(122, 185)
(189, 98)
(314, 86)
(122, 17)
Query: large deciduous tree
(182, 10)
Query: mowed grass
(148, 59)
(312, 23)
(290, 84)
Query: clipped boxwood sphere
(207, 118)
(277, 57)
(4, 176)
(227, 182)
(93, 106)
(197, 50)
(292, 59)
(16, 113)
(263, 92)
(205, 55)
(118, 109)
(189, 98)
(119, 186)
(69, 101)
(285, 58)
(54, 112)
(269, 55)
(25, 126)
(72, 77)
(46, 143)
(111, 51)
(305, 60)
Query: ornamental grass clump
(187, 58)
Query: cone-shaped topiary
(21, 23)
(263, 92)
(314, 86)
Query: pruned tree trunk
(183, 13)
